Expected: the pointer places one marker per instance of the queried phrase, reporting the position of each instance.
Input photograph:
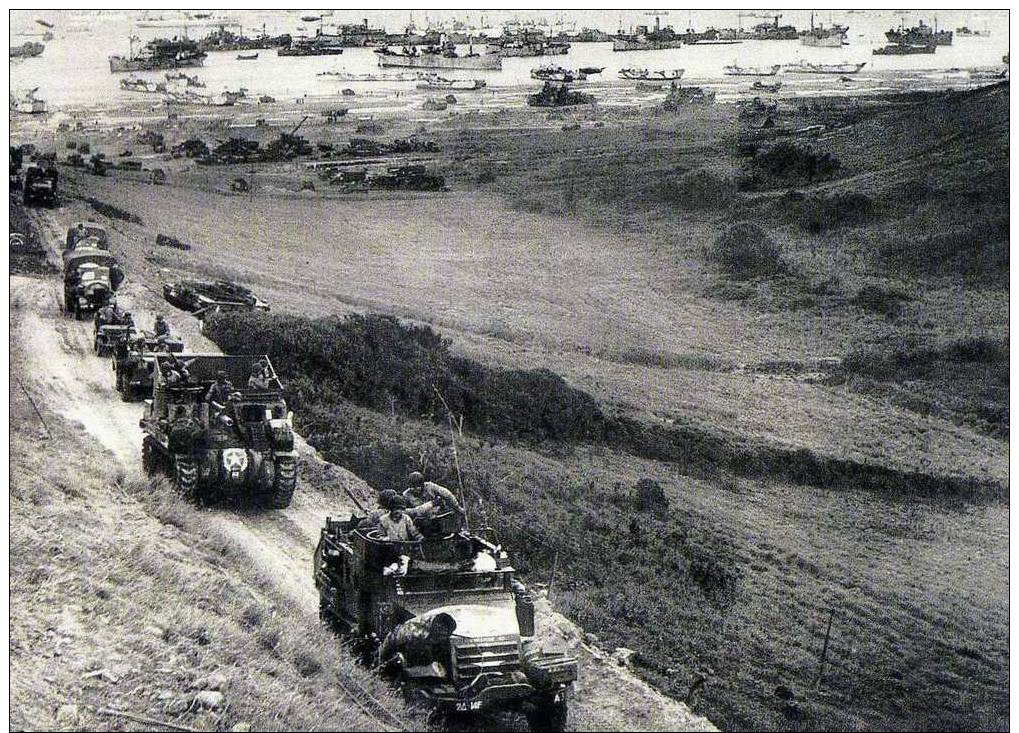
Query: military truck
(40, 186)
(134, 362)
(408, 177)
(91, 276)
(83, 231)
(245, 446)
(108, 336)
(204, 297)
(445, 616)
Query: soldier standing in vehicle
(220, 390)
(259, 379)
(423, 493)
(397, 524)
(162, 328)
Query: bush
(820, 213)
(650, 496)
(886, 301)
(745, 250)
(696, 189)
(788, 159)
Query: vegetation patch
(746, 251)
(822, 212)
(878, 299)
(791, 160)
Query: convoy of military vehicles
(445, 615)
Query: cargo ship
(438, 57)
(527, 43)
(161, 53)
(808, 68)
(919, 35)
(317, 45)
(644, 39)
(820, 37)
(226, 40)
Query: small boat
(736, 70)
(965, 31)
(27, 103)
(760, 86)
(435, 81)
(135, 84)
(345, 76)
(802, 67)
(557, 73)
(645, 75)
(247, 56)
(905, 49)
(189, 81)
(591, 70)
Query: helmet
(386, 498)
(416, 479)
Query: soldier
(220, 390)
(430, 498)
(397, 524)
(259, 379)
(162, 328)
(109, 313)
(171, 376)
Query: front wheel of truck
(549, 713)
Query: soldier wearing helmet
(429, 498)
(161, 328)
(220, 390)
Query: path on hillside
(63, 373)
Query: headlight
(235, 460)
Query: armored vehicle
(245, 445)
(408, 177)
(40, 186)
(456, 628)
(203, 297)
(134, 362)
(91, 276)
(83, 231)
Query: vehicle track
(61, 367)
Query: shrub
(788, 159)
(820, 213)
(886, 301)
(696, 189)
(650, 496)
(745, 250)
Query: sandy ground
(68, 376)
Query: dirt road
(63, 373)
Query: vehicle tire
(283, 484)
(150, 456)
(549, 714)
(185, 477)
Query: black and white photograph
(508, 369)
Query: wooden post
(824, 650)
(551, 580)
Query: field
(828, 421)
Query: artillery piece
(243, 446)
(457, 629)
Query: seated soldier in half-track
(113, 326)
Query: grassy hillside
(735, 573)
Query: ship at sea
(223, 39)
(356, 35)
(647, 75)
(969, 32)
(27, 50)
(919, 35)
(160, 53)
(736, 70)
(762, 31)
(645, 39)
(527, 43)
(821, 37)
(439, 57)
(317, 45)
(905, 49)
(803, 67)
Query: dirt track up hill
(68, 378)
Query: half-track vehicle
(457, 629)
(40, 186)
(107, 337)
(134, 363)
(89, 233)
(91, 276)
(204, 297)
(245, 446)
